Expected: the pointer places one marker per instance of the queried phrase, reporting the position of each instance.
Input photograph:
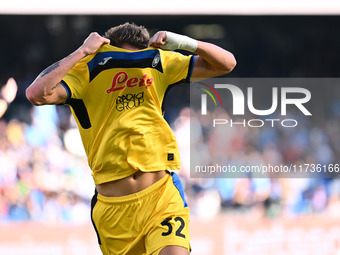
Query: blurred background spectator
(7, 95)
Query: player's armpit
(59, 95)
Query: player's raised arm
(46, 88)
(211, 60)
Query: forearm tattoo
(52, 67)
(53, 88)
(49, 69)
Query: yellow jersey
(116, 97)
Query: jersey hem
(98, 180)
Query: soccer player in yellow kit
(115, 85)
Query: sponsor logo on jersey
(121, 80)
(104, 61)
(129, 101)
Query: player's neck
(129, 47)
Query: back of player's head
(128, 33)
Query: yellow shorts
(144, 222)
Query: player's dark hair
(128, 33)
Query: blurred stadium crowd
(43, 172)
(273, 195)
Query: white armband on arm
(182, 42)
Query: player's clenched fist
(171, 41)
(93, 42)
(158, 39)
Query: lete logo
(121, 80)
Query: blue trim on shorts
(178, 185)
(93, 203)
